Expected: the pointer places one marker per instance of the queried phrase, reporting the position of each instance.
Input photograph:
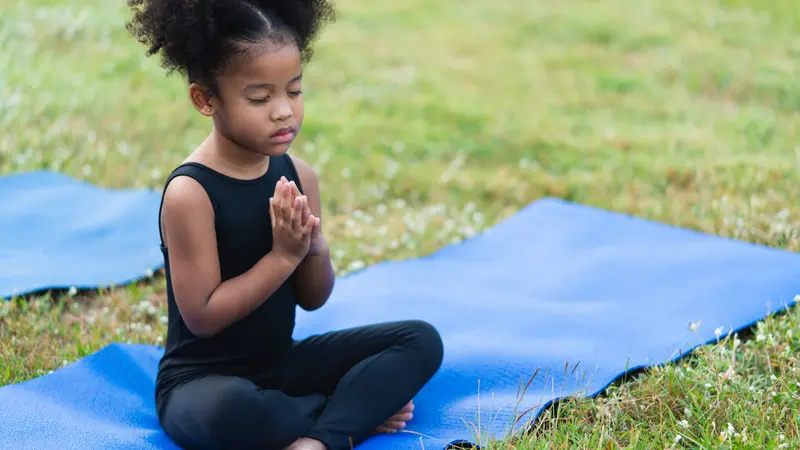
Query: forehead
(265, 63)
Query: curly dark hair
(197, 38)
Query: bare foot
(307, 444)
(398, 421)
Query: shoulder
(308, 177)
(184, 194)
(186, 212)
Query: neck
(234, 157)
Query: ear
(201, 99)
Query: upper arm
(190, 238)
(310, 185)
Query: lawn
(684, 112)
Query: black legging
(335, 387)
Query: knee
(427, 340)
(201, 415)
(229, 414)
(242, 418)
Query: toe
(404, 417)
(396, 424)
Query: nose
(282, 112)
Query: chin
(276, 150)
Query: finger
(297, 215)
(286, 203)
(272, 210)
(284, 182)
(287, 189)
(276, 209)
(295, 190)
(309, 226)
(385, 430)
(306, 209)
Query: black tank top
(244, 236)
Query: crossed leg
(371, 374)
(330, 392)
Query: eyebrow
(270, 85)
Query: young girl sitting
(243, 247)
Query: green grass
(684, 112)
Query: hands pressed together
(296, 232)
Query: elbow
(204, 333)
(314, 302)
(313, 306)
(316, 299)
(201, 329)
(199, 316)
(201, 325)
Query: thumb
(317, 226)
(271, 212)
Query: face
(259, 103)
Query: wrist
(284, 261)
(319, 247)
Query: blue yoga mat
(57, 232)
(575, 294)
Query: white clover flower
(356, 265)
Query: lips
(284, 135)
(284, 132)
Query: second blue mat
(557, 285)
(57, 232)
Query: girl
(243, 247)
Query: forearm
(314, 280)
(235, 298)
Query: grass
(430, 121)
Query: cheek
(298, 110)
(244, 119)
